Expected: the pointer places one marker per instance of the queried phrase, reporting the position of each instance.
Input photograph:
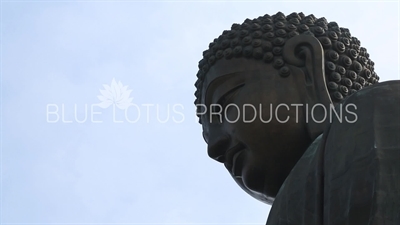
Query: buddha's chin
(257, 193)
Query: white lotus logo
(116, 94)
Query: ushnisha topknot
(347, 65)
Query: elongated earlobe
(306, 53)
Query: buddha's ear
(306, 53)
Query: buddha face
(255, 135)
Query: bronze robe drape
(350, 174)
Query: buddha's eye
(218, 109)
(225, 99)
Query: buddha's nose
(218, 144)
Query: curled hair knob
(332, 55)
(366, 73)
(334, 76)
(248, 51)
(325, 42)
(258, 53)
(225, 43)
(318, 31)
(339, 47)
(268, 36)
(357, 67)
(294, 21)
(205, 69)
(278, 63)
(357, 86)
(267, 46)
(292, 34)
(280, 33)
(361, 80)
(219, 54)
(303, 28)
(343, 89)
(337, 95)
(278, 41)
(228, 53)
(332, 35)
(347, 82)
(280, 18)
(237, 51)
(267, 28)
(279, 25)
(257, 34)
(243, 33)
(268, 20)
(352, 53)
(206, 53)
(291, 27)
(341, 70)
(255, 26)
(284, 71)
(202, 62)
(330, 66)
(363, 60)
(235, 42)
(351, 74)
(211, 60)
(332, 86)
(268, 57)
(277, 51)
(345, 41)
(309, 22)
(346, 61)
(232, 34)
(247, 40)
(257, 43)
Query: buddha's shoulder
(375, 112)
(385, 91)
(376, 103)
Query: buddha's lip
(231, 156)
(236, 167)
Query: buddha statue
(292, 106)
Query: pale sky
(58, 55)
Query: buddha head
(264, 88)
